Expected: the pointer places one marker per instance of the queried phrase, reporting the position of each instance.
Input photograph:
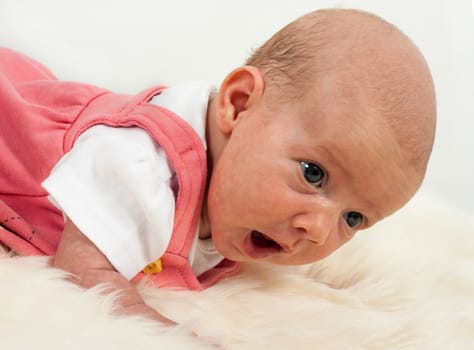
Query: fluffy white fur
(406, 284)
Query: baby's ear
(241, 90)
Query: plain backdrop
(130, 45)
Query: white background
(130, 45)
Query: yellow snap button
(154, 267)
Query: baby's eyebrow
(375, 218)
(332, 157)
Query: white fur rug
(406, 284)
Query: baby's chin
(226, 252)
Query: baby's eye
(353, 218)
(312, 173)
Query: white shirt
(118, 188)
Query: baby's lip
(259, 245)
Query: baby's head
(326, 130)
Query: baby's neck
(204, 227)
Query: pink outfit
(41, 118)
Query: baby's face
(294, 183)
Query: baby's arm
(78, 255)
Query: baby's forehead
(337, 95)
(367, 139)
(363, 161)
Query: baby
(325, 131)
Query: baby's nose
(317, 224)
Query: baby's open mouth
(258, 245)
(262, 241)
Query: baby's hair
(300, 49)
